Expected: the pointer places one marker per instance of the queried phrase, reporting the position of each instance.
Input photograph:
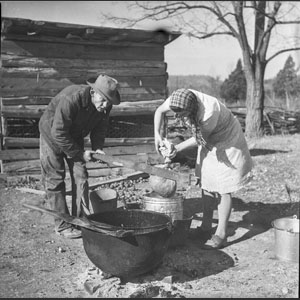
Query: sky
(184, 56)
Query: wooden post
(3, 132)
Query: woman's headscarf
(185, 100)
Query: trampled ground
(36, 263)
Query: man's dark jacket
(71, 116)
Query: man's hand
(99, 151)
(87, 155)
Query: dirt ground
(36, 263)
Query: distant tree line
(203, 83)
(282, 91)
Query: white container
(287, 238)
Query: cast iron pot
(134, 254)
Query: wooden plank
(57, 50)
(11, 168)
(29, 190)
(19, 112)
(132, 175)
(44, 100)
(3, 132)
(28, 86)
(34, 100)
(15, 142)
(106, 172)
(100, 172)
(17, 165)
(55, 91)
(123, 150)
(36, 164)
(75, 39)
(17, 154)
(62, 73)
(11, 60)
(142, 167)
(124, 109)
(21, 165)
(21, 87)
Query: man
(78, 110)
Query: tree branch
(288, 22)
(281, 51)
(221, 18)
(208, 35)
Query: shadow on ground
(185, 263)
(189, 262)
(257, 152)
(259, 217)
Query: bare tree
(242, 20)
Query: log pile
(281, 121)
(276, 121)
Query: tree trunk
(255, 104)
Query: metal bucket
(287, 238)
(173, 206)
(132, 255)
(103, 200)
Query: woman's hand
(157, 142)
(167, 150)
(159, 122)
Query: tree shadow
(257, 152)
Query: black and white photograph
(150, 149)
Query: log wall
(40, 58)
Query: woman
(223, 161)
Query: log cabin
(40, 58)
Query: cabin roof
(18, 26)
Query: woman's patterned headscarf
(185, 100)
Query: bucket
(287, 238)
(103, 200)
(132, 255)
(173, 207)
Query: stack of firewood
(280, 121)
(276, 121)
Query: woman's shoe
(215, 243)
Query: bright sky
(184, 56)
